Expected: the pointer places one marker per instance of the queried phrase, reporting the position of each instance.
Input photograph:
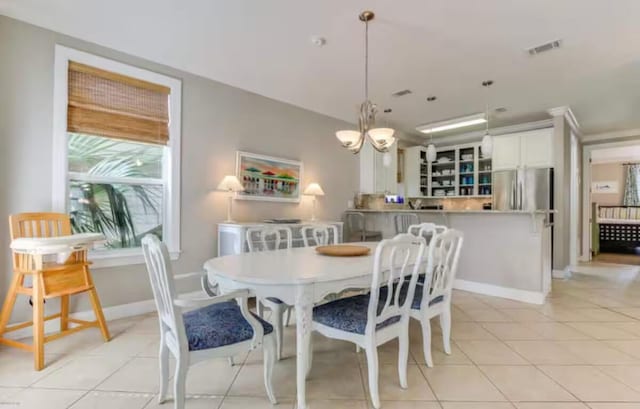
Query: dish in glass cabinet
(345, 250)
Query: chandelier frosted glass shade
(351, 140)
(486, 147)
(431, 153)
(382, 138)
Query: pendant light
(380, 138)
(486, 147)
(431, 149)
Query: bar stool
(402, 221)
(356, 223)
(48, 280)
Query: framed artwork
(605, 187)
(268, 178)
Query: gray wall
(217, 120)
(608, 172)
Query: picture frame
(268, 178)
(606, 187)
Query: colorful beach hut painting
(268, 178)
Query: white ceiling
(435, 47)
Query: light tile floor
(579, 350)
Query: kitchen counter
(505, 253)
(542, 212)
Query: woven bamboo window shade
(107, 104)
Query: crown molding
(567, 113)
(606, 136)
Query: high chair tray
(51, 245)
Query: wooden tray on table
(343, 250)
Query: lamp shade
(314, 189)
(230, 184)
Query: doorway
(611, 223)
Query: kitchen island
(505, 253)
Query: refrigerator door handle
(520, 193)
(512, 195)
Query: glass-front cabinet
(458, 171)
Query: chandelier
(380, 138)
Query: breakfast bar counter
(505, 253)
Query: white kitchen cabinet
(536, 148)
(506, 152)
(530, 149)
(415, 171)
(458, 171)
(374, 176)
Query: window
(116, 153)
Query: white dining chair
(319, 235)
(266, 238)
(426, 230)
(402, 221)
(218, 327)
(376, 318)
(433, 297)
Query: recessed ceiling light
(452, 123)
(318, 41)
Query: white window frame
(171, 157)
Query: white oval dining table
(300, 277)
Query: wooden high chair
(48, 280)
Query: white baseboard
(561, 274)
(531, 297)
(110, 313)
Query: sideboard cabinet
(232, 236)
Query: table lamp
(230, 184)
(314, 190)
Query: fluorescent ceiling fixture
(453, 123)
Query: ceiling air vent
(401, 93)
(544, 47)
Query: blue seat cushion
(218, 325)
(417, 296)
(417, 299)
(349, 314)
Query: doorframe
(586, 189)
(574, 199)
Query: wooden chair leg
(64, 313)
(9, 302)
(38, 323)
(97, 309)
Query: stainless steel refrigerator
(523, 189)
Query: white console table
(232, 236)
